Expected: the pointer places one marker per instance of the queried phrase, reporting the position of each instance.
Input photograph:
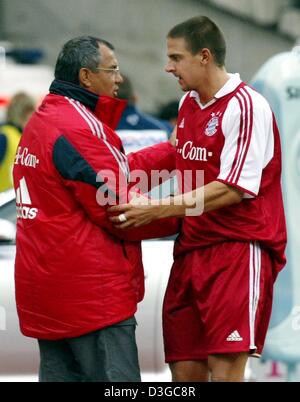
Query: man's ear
(205, 56)
(84, 78)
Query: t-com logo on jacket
(23, 201)
(24, 158)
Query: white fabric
(233, 82)
(182, 100)
(242, 164)
(254, 288)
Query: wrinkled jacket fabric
(74, 273)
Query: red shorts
(218, 300)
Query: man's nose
(169, 68)
(119, 78)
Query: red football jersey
(234, 139)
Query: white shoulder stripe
(119, 156)
(72, 102)
(101, 134)
(90, 118)
(240, 141)
(244, 137)
(246, 118)
(97, 129)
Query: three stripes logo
(181, 125)
(23, 201)
(234, 337)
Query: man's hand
(141, 210)
(138, 212)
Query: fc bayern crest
(212, 125)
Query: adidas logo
(23, 197)
(234, 337)
(181, 125)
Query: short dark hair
(77, 53)
(199, 33)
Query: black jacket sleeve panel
(82, 180)
(3, 146)
(72, 166)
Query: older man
(77, 283)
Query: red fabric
(253, 218)
(213, 289)
(108, 114)
(4, 101)
(73, 274)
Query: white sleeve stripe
(72, 102)
(86, 114)
(93, 124)
(121, 158)
(239, 142)
(249, 126)
(113, 150)
(243, 143)
(97, 130)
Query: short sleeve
(247, 126)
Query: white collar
(233, 82)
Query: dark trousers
(107, 355)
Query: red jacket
(73, 274)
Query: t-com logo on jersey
(189, 151)
(23, 201)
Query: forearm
(140, 211)
(213, 196)
(219, 195)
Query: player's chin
(185, 87)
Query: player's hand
(138, 212)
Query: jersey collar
(233, 82)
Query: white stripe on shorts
(254, 288)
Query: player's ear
(205, 56)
